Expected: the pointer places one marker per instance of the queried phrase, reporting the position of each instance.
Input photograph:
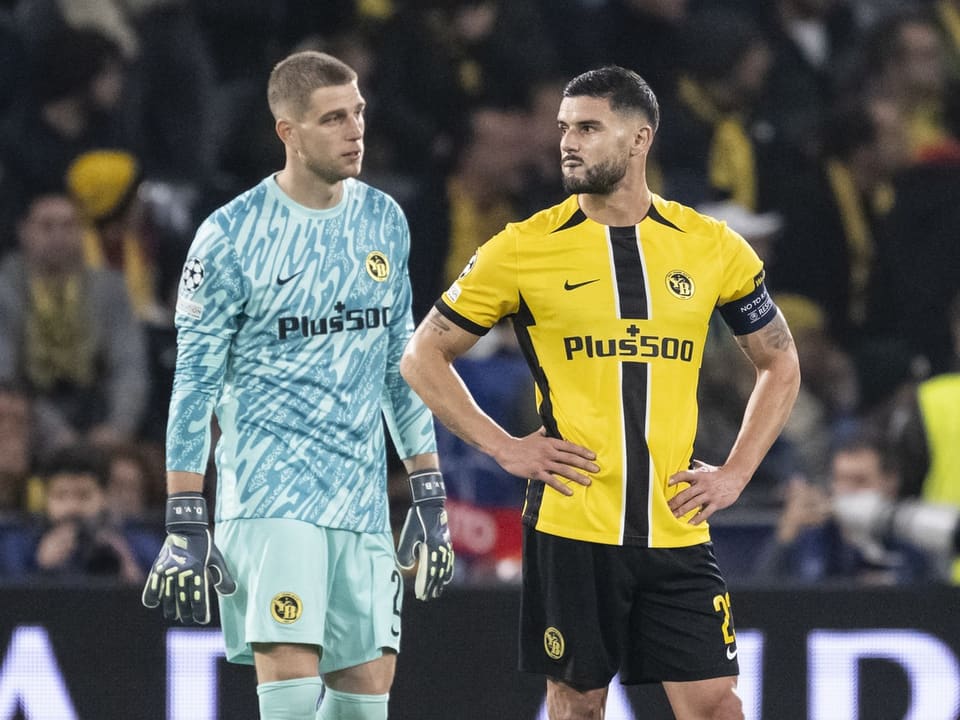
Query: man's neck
(621, 208)
(307, 189)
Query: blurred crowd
(826, 132)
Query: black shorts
(589, 611)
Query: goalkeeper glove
(178, 578)
(425, 537)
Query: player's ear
(642, 139)
(285, 130)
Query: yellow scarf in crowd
(136, 268)
(731, 166)
(58, 343)
(857, 233)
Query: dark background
(459, 653)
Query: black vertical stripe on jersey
(632, 293)
(636, 521)
(523, 320)
(631, 289)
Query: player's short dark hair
(78, 459)
(624, 88)
(294, 79)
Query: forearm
(766, 414)
(435, 380)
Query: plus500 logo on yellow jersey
(638, 346)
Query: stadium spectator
(711, 149)
(905, 60)
(918, 269)
(925, 426)
(811, 41)
(68, 333)
(485, 182)
(75, 539)
(76, 83)
(832, 209)
(104, 184)
(16, 449)
(810, 546)
(134, 489)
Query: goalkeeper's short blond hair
(293, 80)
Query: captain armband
(751, 312)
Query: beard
(600, 179)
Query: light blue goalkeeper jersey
(291, 323)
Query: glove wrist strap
(187, 510)
(427, 485)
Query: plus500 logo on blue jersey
(354, 319)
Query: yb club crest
(286, 608)
(680, 284)
(378, 267)
(553, 643)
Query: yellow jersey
(612, 322)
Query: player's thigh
(276, 662)
(574, 610)
(364, 602)
(281, 567)
(712, 699)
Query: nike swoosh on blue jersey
(284, 281)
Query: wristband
(427, 485)
(185, 509)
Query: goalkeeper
(292, 314)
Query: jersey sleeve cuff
(459, 320)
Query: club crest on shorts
(553, 643)
(680, 284)
(378, 267)
(286, 608)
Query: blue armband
(749, 313)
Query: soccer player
(610, 293)
(293, 311)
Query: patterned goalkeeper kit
(291, 323)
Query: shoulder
(689, 220)
(545, 222)
(373, 200)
